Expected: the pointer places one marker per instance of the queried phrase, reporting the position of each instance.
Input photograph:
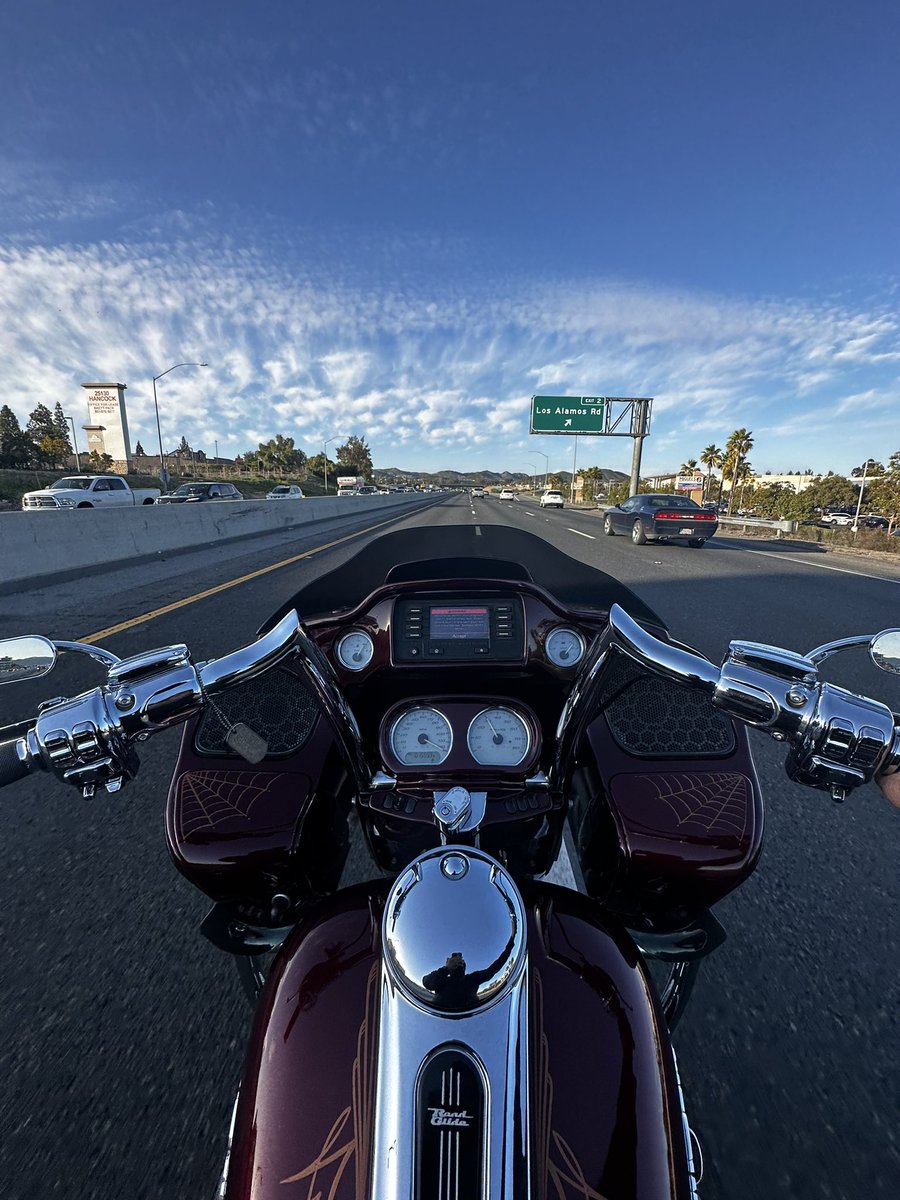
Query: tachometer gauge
(565, 647)
(354, 650)
(421, 737)
(498, 737)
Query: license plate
(688, 530)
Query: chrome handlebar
(837, 739)
(89, 740)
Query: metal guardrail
(781, 527)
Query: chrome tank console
(451, 1115)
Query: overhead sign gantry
(595, 416)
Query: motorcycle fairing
(602, 1103)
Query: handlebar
(89, 740)
(837, 739)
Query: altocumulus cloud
(434, 375)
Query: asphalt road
(123, 1031)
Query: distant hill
(476, 478)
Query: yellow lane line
(223, 587)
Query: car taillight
(685, 516)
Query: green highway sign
(568, 414)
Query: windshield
(461, 552)
(73, 482)
(192, 489)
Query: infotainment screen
(459, 624)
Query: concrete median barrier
(37, 547)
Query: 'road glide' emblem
(441, 1116)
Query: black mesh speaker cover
(276, 705)
(651, 718)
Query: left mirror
(24, 658)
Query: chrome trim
(500, 708)
(662, 658)
(689, 1136)
(825, 651)
(494, 1036)
(104, 656)
(249, 661)
(354, 633)
(582, 645)
(464, 822)
(223, 1182)
(408, 712)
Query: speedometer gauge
(498, 737)
(421, 736)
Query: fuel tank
(366, 1077)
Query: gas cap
(454, 930)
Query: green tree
(688, 468)
(15, 448)
(139, 450)
(355, 457)
(100, 463)
(42, 435)
(871, 468)
(710, 459)
(61, 425)
(737, 448)
(885, 491)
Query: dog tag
(249, 745)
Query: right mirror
(885, 650)
(24, 658)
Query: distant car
(369, 489)
(552, 500)
(661, 518)
(285, 491)
(872, 522)
(838, 518)
(506, 494)
(478, 493)
(194, 493)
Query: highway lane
(123, 1031)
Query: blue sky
(400, 220)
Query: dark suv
(192, 493)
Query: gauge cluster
(466, 735)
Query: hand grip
(11, 766)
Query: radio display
(467, 624)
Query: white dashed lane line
(580, 534)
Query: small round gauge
(565, 647)
(421, 737)
(354, 650)
(498, 737)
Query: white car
(506, 494)
(285, 491)
(552, 500)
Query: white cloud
(429, 378)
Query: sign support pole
(574, 461)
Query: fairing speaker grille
(652, 718)
(276, 705)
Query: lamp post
(71, 421)
(163, 473)
(862, 488)
(325, 446)
(546, 458)
(533, 476)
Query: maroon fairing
(605, 1120)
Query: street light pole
(325, 446)
(71, 421)
(862, 487)
(534, 475)
(546, 458)
(163, 473)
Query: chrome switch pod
(454, 930)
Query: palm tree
(737, 448)
(688, 468)
(710, 458)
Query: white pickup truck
(88, 491)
